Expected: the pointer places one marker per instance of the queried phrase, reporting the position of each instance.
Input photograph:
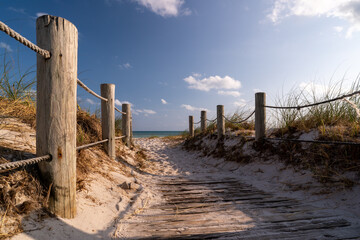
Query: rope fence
(244, 120)
(54, 86)
(3, 27)
(315, 104)
(120, 111)
(23, 163)
(313, 141)
(91, 144)
(81, 84)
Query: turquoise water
(145, 134)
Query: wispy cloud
(149, 111)
(39, 14)
(17, 10)
(5, 46)
(229, 93)
(125, 66)
(240, 103)
(192, 108)
(212, 82)
(165, 8)
(313, 88)
(88, 100)
(163, 101)
(348, 10)
(146, 112)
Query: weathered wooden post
(203, 121)
(260, 115)
(126, 124)
(56, 111)
(220, 121)
(108, 117)
(191, 126)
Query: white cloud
(312, 88)
(165, 8)
(18, 10)
(256, 90)
(240, 103)
(117, 102)
(125, 66)
(348, 10)
(5, 46)
(338, 28)
(229, 93)
(148, 111)
(88, 100)
(191, 108)
(39, 14)
(163, 101)
(212, 82)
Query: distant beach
(146, 134)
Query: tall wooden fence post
(260, 115)
(126, 124)
(203, 121)
(56, 111)
(191, 126)
(108, 117)
(220, 121)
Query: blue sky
(172, 58)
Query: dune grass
(342, 114)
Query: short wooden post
(56, 111)
(260, 115)
(108, 117)
(220, 121)
(126, 124)
(203, 121)
(191, 126)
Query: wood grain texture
(108, 118)
(191, 126)
(195, 209)
(56, 111)
(260, 115)
(126, 124)
(203, 121)
(220, 120)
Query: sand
(105, 205)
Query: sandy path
(181, 195)
(195, 198)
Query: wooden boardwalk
(229, 209)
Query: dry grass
(24, 110)
(21, 189)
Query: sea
(146, 134)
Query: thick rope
(120, 137)
(91, 144)
(198, 122)
(241, 120)
(211, 120)
(81, 84)
(3, 27)
(315, 104)
(312, 141)
(23, 163)
(120, 111)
